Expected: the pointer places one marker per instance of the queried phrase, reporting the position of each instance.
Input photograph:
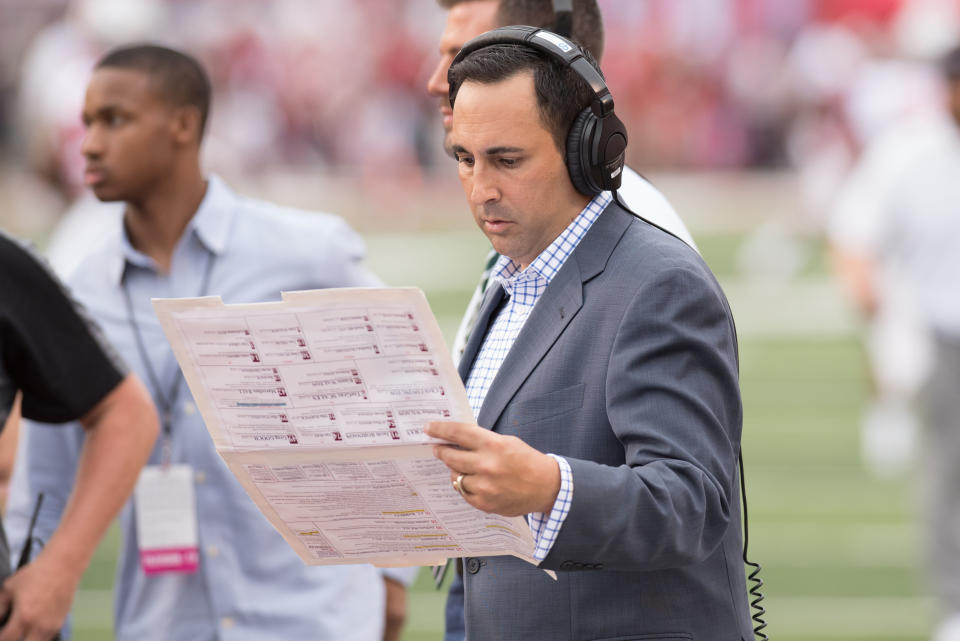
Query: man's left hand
(502, 474)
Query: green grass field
(840, 551)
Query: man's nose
(437, 83)
(483, 189)
(92, 144)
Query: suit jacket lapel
(491, 301)
(557, 306)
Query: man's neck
(154, 226)
(579, 203)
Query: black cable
(623, 204)
(754, 577)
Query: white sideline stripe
(850, 617)
(806, 306)
(850, 545)
(762, 307)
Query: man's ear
(186, 125)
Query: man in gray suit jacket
(603, 375)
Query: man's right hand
(501, 474)
(38, 599)
(120, 433)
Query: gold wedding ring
(458, 485)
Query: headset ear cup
(578, 152)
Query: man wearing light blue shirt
(184, 235)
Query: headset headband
(555, 46)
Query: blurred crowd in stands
(339, 84)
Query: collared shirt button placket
(523, 289)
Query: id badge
(166, 514)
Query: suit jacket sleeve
(673, 402)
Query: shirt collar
(210, 224)
(546, 265)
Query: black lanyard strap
(165, 402)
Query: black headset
(597, 138)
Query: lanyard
(165, 402)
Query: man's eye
(465, 160)
(116, 120)
(509, 162)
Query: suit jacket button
(566, 565)
(598, 566)
(473, 565)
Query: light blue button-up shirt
(250, 585)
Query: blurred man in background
(467, 19)
(583, 23)
(896, 232)
(65, 371)
(184, 234)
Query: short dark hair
(180, 79)
(587, 28)
(561, 92)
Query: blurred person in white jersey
(896, 231)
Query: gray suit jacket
(627, 366)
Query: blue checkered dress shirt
(524, 288)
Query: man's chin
(105, 194)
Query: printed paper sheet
(317, 404)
